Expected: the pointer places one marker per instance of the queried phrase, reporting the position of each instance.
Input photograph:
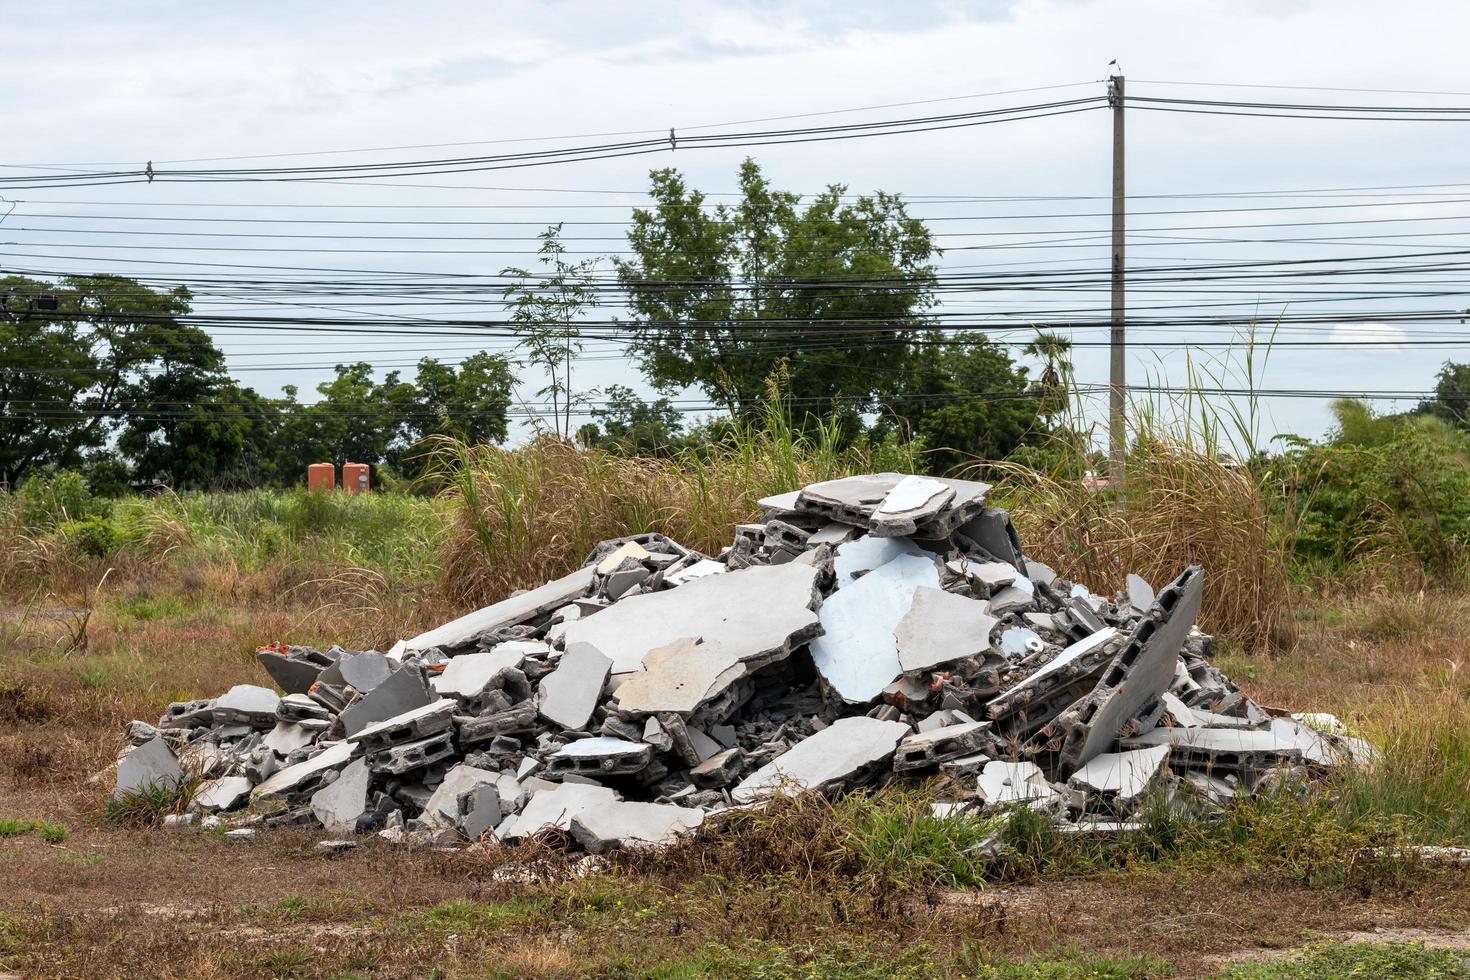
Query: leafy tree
(629, 424)
(72, 354)
(545, 310)
(471, 404)
(963, 398)
(1451, 395)
(723, 296)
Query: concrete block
(926, 750)
(304, 777)
(406, 757)
(339, 805)
(247, 704)
(598, 757)
(412, 725)
(404, 690)
(603, 828)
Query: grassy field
(187, 587)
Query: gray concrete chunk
(602, 828)
(403, 691)
(679, 677)
(940, 627)
(570, 693)
(600, 756)
(1004, 783)
(1124, 776)
(151, 764)
(420, 722)
(554, 808)
(912, 501)
(287, 780)
(442, 810)
(339, 805)
(928, 749)
(224, 793)
(837, 754)
(247, 704)
(468, 675)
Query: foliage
(49, 499)
(1393, 487)
(628, 424)
(545, 310)
(724, 296)
(962, 397)
(150, 802)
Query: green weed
(1381, 961)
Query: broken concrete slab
(699, 569)
(364, 671)
(1060, 667)
(843, 751)
(599, 756)
(287, 737)
(417, 723)
(600, 829)
(289, 780)
(341, 804)
(857, 654)
(408, 756)
(247, 704)
(294, 669)
(152, 764)
(1141, 672)
(1140, 593)
(941, 627)
(468, 675)
(224, 793)
(442, 810)
(912, 501)
(554, 808)
(570, 693)
(757, 613)
(1124, 776)
(679, 677)
(1219, 748)
(630, 549)
(1003, 783)
(993, 531)
(861, 555)
(468, 630)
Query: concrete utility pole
(1117, 380)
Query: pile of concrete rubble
(873, 627)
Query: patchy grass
(150, 803)
(1331, 961)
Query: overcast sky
(104, 83)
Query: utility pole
(1117, 380)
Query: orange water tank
(321, 476)
(355, 477)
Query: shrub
(48, 500)
(93, 535)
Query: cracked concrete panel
(940, 627)
(851, 499)
(1140, 593)
(469, 629)
(151, 764)
(1001, 783)
(554, 808)
(287, 737)
(1060, 662)
(838, 753)
(861, 555)
(365, 671)
(442, 810)
(912, 501)
(857, 654)
(755, 613)
(467, 675)
(339, 804)
(633, 825)
(1124, 775)
(630, 549)
(569, 694)
(436, 716)
(224, 793)
(1225, 748)
(403, 691)
(679, 677)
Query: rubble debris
(865, 629)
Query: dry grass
(1181, 507)
(527, 515)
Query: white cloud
(1375, 336)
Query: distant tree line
(832, 295)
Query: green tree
(545, 309)
(1451, 394)
(963, 397)
(471, 404)
(74, 357)
(629, 424)
(724, 296)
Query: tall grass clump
(1195, 492)
(526, 515)
(1423, 771)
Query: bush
(47, 501)
(93, 535)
